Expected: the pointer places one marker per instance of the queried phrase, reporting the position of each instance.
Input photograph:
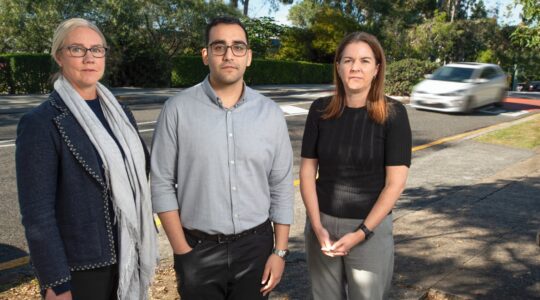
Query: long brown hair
(377, 106)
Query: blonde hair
(62, 32)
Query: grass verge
(525, 135)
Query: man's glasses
(78, 51)
(220, 48)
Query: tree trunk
(234, 3)
(246, 7)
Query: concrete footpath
(465, 228)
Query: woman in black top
(359, 142)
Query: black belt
(226, 238)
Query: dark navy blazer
(63, 196)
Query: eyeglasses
(220, 48)
(78, 51)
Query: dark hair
(377, 106)
(224, 20)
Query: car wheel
(469, 105)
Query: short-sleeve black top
(352, 153)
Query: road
(426, 126)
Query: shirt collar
(209, 91)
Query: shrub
(138, 66)
(189, 70)
(402, 75)
(25, 73)
(287, 72)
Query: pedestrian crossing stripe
(293, 110)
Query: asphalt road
(427, 127)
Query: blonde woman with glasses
(82, 176)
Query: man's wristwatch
(281, 253)
(368, 233)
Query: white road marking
(492, 110)
(293, 110)
(146, 123)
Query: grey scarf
(128, 185)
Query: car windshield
(452, 74)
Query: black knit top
(352, 153)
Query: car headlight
(455, 93)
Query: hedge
(402, 75)
(189, 70)
(30, 73)
(287, 72)
(25, 73)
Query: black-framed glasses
(220, 48)
(79, 51)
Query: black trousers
(95, 284)
(231, 271)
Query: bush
(189, 70)
(287, 72)
(30, 73)
(402, 75)
(5, 76)
(138, 66)
(25, 73)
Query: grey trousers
(366, 273)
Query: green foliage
(303, 13)
(189, 70)
(287, 72)
(479, 11)
(318, 40)
(25, 73)
(263, 36)
(435, 38)
(143, 35)
(527, 34)
(296, 45)
(486, 56)
(403, 75)
(6, 81)
(331, 26)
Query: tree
(434, 39)
(263, 36)
(303, 13)
(478, 11)
(527, 33)
(142, 34)
(331, 26)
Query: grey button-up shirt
(225, 170)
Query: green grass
(525, 135)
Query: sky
(259, 8)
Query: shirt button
(234, 188)
(236, 215)
(229, 112)
(230, 134)
(232, 162)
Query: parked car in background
(460, 87)
(534, 86)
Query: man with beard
(222, 176)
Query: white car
(460, 87)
